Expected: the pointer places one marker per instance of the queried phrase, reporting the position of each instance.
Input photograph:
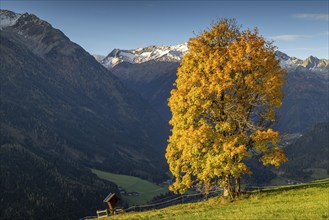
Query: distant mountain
(176, 53)
(142, 55)
(306, 91)
(306, 94)
(310, 64)
(307, 153)
(153, 80)
(305, 102)
(61, 113)
(99, 58)
(150, 71)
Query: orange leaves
(275, 157)
(268, 135)
(266, 142)
(227, 85)
(233, 150)
(265, 139)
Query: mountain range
(176, 53)
(151, 72)
(142, 55)
(305, 103)
(64, 111)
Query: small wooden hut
(111, 201)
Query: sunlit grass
(309, 201)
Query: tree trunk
(227, 189)
(237, 185)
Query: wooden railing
(102, 213)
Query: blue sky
(299, 28)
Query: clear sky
(299, 28)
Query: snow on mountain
(98, 57)
(141, 55)
(176, 53)
(8, 18)
(311, 63)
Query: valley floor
(143, 190)
(307, 201)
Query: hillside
(152, 80)
(308, 154)
(62, 113)
(309, 201)
(35, 185)
(305, 102)
(57, 97)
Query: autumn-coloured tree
(227, 88)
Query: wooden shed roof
(110, 197)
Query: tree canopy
(227, 89)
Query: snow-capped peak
(8, 18)
(311, 63)
(176, 53)
(141, 55)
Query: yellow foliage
(227, 88)
(274, 157)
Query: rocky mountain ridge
(8, 18)
(142, 55)
(310, 64)
(176, 53)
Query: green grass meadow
(146, 189)
(307, 201)
(319, 173)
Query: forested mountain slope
(62, 113)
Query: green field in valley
(146, 190)
(319, 173)
(305, 201)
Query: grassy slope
(146, 189)
(319, 173)
(298, 202)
